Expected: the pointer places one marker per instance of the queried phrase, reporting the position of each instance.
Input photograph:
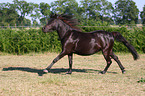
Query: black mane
(68, 19)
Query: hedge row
(26, 41)
(34, 40)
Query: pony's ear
(53, 16)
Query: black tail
(120, 38)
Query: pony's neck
(62, 29)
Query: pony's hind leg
(108, 60)
(70, 64)
(118, 62)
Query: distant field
(22, 76)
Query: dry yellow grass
(22, 76)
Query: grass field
(22, 76)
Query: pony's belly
(86, 47)
(86, 52)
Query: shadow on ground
(55, 70)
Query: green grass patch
(141, 80)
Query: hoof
(102, 72)
(123, 71)
(68, 72)
(45, 70)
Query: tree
(26, 22)
(9, 17)
(69, 7)
(2, 5)
(65, 7)
(142, 15)
(45, 11)
(23, 8)
(106, 11)
(35, 23)
(98, 10)
(126, 12)
(35, 14)
(90, 8)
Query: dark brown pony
(75, 41)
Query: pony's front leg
(62, 54)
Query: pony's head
(51, 25)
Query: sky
(140, 3)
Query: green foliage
(65, 7)
(126, 12)
(141, 80)
(96, 10)
(25, 41)
(9, 14)
(24, 8)
(94, 23)
(34, 40)
(8, 17)
(45, 10)
(142, 15)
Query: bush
(34, 40)
(25, 41)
